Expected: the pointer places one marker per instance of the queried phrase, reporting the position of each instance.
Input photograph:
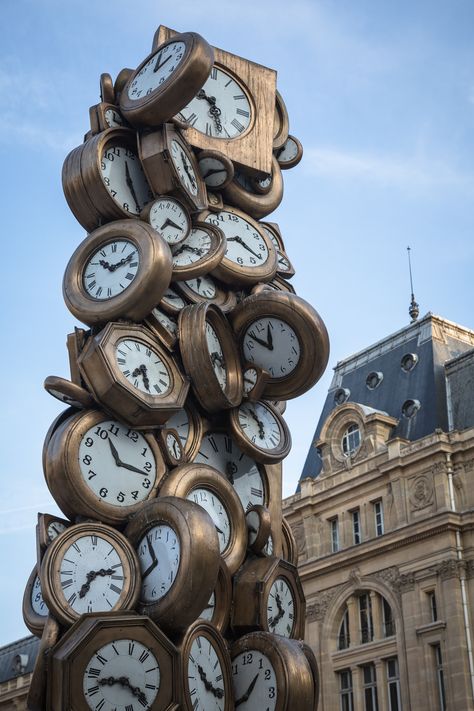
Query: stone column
(357, 687)
(381, 677)
(376, 605)
(354, 632)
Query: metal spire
(414, 308)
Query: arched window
(351, 440)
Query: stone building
(384, 521)
(17, 661)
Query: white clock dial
(184, 168)
(203, 286)
(273, 345)
(280, 608)
(208, 612)
(220, 451)
(159, 553)
(123, 674)
(169, 218)
(143, 367)
(54, 529)
(213, 172)
(166, 321)
(211, 503)
(245, 246)
(173, 446)
(192, 249)
(283, 262)
(91, 575)
(117, 463)
(216, 355)
(205, 676)
(254, 680)
(259, 425)
(173, 300)
(180, 423)
(221, 109)
(268, 549)
(111, 269)
(289, 151)
(37, 602)
(124, 178)
(249, 379)
(113, 118)
(157, 70)
(270, 236)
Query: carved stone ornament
(319, 604)
(421, 493)
(300, 538)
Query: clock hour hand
(154, 559)
(141, 370)
(218, 692)
(246, 696)
(170, 223)
(187, 171)
(244, 245)
(123, 261)
(213, 171)
(269, 335)
(131, 187)
(214, 111)
(115, 454)
(123, 681)
(158, 65)
(261, 427)
(263, 343)
(189, 248)
(92, 575)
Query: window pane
(393, 696)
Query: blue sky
(381, 95)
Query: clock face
(289, 151)
(203, 286)
(245, 246)
(166, 321)
(124, 178)
(111, 269)
(253, 525)
(213, 172)
(157, 70)
(169, 218)
(211, 503)
(192, 249)
(173, 446)
(280, 608)
(249, 379)
(220, 451)
(205, 676)
(117, 463)
(255, 682)
(259, 425)
(173, 300)
(208, 612)
(123, 674)
(37, 602)
(217, 356)
(180, 423)
(91, 575)
(221, 109)
(113, 118)
(143, 367)
(54, 529)
(271, 236)
(283, 262)
(159, 553)
(184, 168)
(273, 345)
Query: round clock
(209, 356)
(270, 672)
(90, 567)
(171, 166)
(281, 122)
(281, 333)
(100, 468)
(103, 179)
(217, 610)
(121, 270)
(206, 673)
(178, 550)
(172, 447)
(248, 478)
(290, 153)
(35, 610)
(209, 489)
(112, 662)
(257, 197)
(268, 596)
(260, 431)
(132, 376)
(166, 80)
(199, 253)
(254, 380)
(216, 169)
(67, 392)
(172, 302)
(259, 528)
(250, 256)
(206, 288)
(285, 267)
(47, 529)
(189, 425)
(103, 116)
(164, 327)
(222, 108)
(169, 217)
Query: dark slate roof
(9, 658)
(434, 341)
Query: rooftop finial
(414, 308)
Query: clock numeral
(239, 96)
(256, 492)
(94, 541)
(65, 584)
(100, 705)
(115, 589)
(143, 656)
(213, 74)
(131, 647)
(242, 112)
(93, 690)
(93, 672)
(101, 659)
(71, 600)
(237, 125)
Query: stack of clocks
(171, 582)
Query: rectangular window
(365, 617)
(433, 606)
(393, 685)
(378, 514)
(370, 688)
(440, 677)
(334, 524)
(356, 535)
(388, 621)
(345, 691)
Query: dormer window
(373, 380)
(341, 396)
(351, 440)
(408, 362)
(410, 408)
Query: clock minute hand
(158, 65)
(218, 692)
(267, 345)
(246, 696)
(171, 224)
(244, 245)
(131, 187)
(125, 682)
